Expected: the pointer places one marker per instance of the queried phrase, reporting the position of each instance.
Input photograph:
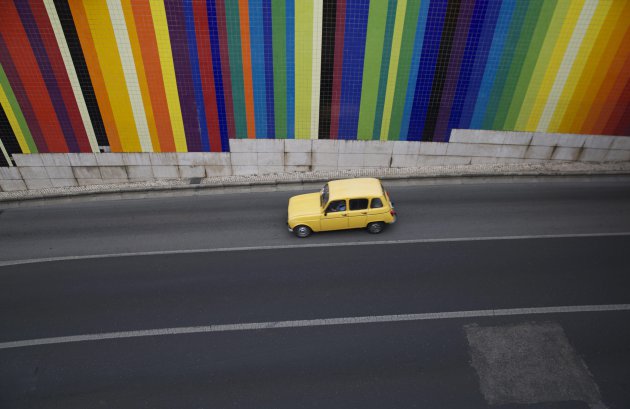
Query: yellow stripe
(100, 24)
(603, 52)
(168, 71)
(563, 39)
(393, 67)
(142, 78)
(579, 64)
(15, 125)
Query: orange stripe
(600, 73)
(142, 78)
(608, 94)
(153, 71)
(247, 68)
(94, 68)
(578, 104)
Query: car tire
(376, 227)
(302, 231)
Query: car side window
(358, 204)
(336, 206)
(376, 203)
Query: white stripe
(588, 10)
(6, 155)
(72, 74)
(318, 9)
(129, 69)
(321, 322)
(313, 245)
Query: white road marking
(311, 245)
(322, 322)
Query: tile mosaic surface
(188, 75)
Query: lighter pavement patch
(529, 363)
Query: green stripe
(404, 67)
(236, 67)
(4, 82)
(525, 79)
(520, 52)
(303, 67)
(278, 11)
(542, 62)
(382, 84)
(371, 64)
(507, 56)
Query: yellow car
(342, 204)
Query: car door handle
(363, 212)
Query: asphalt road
(254, 219)
(550, 360)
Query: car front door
(357, 215)
(335, 217)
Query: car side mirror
(325, 213)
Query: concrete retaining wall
(256, 156)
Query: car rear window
(376, 203)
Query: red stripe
(337, 69)
(207, 76)
(619, 121)
(61, 75)
(28, 70)
(225, 68)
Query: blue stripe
(470, 51)
(415, 66)
(194, 65)
(271, 118)
(290, 69)
(257, 41)
(481, 59)
(499, 37)
(30, 26)
(352, 70)
(430, 50)
(216, 71)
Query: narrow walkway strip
(322, 322)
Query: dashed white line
(315, 323)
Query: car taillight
(392, 212)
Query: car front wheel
(302, 231)
(376, 227)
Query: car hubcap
(302, 231)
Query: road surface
(396, 320)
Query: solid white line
(312, 245)
(322, 322)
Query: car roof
(354, 188)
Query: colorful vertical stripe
(188, 75)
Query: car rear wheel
(376, 227)
(302, 231)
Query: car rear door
(357, 215)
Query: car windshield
(324, 195)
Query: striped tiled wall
(188, 75)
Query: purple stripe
(22, 98)
(183, 73)
(454, 66)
